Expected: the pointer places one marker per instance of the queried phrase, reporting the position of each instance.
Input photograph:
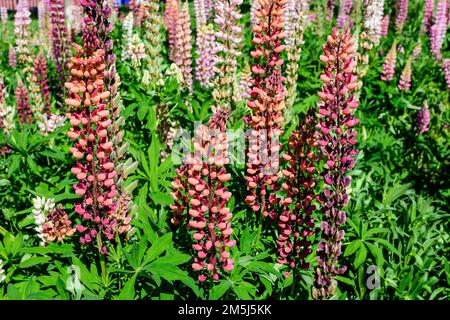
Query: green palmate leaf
(158, 247)
(219, 290)
(352, 247)
(34, 261)
(128, 292)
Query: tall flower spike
(171, 17)
(95, 172)
(417, 50)
(295, 222)
(183, 40)
(423, 119)
(336, 143)
(294, 29)
(23, 104)
(204, 70)
(266, 103)
(439, 28)
(405, 79)
(228, 41)
(200, 189)
(12, 57)
(402, 14)
(58, 37)
(57, 226)
(428, 15)
(153, 45)
(345, 8)
(22, 22)
(385, 26)
(389, 63)
(331, 4)
(373, 20)
(200, 13)
(41, 81)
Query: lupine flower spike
(423, 119)
(439, 28)
(266, 103)
(204, 70)
(183, 45)
(428, 15)
(295, 222)
(402, 14)
(385, 26)
(228, 40)
(336, 143)
(389, 63)
(405, 79)
(200, 189)
(23, 104)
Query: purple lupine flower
(423, 119)
(446, 67)
(200, 14)
(428, 15)
(336, 143)
(389, 63)
(385, 26)
(58, 37)
(402, 14)
(439, 28)
(345, 8)
(204, 70)
(330, 9)
(405, 79)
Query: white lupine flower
(7, 116)
(42, 206)
(50, 124)
(2, 272)
(373, 17)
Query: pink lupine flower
(405, 79)
(428, 14)
(423, 119)
(200, 13)
(23, 104)
(417, 50)
(402, 14)
(385, 26)
(171, 17)
(336, 143)
(22, 22)
(389, 63)
(266, 103)
(446, 68)
(439, 28)
(204, 70)
(58, 38)
(183, 39)
(41, 81)
(91, 121)
(201, 198)
(12, 57)
(295, 222)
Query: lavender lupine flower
(295, 222)
(22, 23)
(228, 42)
(12, 57)
(385, 26)
(336, 143)
(58, 37)
(439, 28)
(201, 198)
(405, 79)
(428, 15)
(423, 119)
(200, 14)
(373, 20)
(345, 8)
(204, 70)
(446, 68)
(389, 63)
(183, 41)
(402, 14)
